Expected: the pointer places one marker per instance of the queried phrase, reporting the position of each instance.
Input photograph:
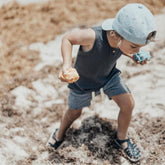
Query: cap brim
(107, 24)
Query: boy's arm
(85, 38)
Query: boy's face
(129, 48)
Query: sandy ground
(33, 99)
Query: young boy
(95, 68)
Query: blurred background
(23, 24)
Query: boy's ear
(117, 36)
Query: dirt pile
(94, 141)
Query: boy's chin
(128, 54)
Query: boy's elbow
(65, 40)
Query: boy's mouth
(128, 54)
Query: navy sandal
(132, 152)
(56, 143)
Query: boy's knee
(128, 105)
(125, 102)
(131, 104)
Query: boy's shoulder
(100, 33)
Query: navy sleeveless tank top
(96, 66)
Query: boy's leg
(76, 102)
(68, 118)
(126, 104)
(117, 90)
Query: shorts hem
(117, 93)
(77, 108)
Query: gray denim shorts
(115, 86)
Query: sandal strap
(120, 142)
(54, 136)
(57, 143)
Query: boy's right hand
(142, 56)
(69, 75)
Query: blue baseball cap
(134, 22)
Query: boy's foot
(131, 151)
(53, 142)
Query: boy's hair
(134, 22)
(151, 37)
